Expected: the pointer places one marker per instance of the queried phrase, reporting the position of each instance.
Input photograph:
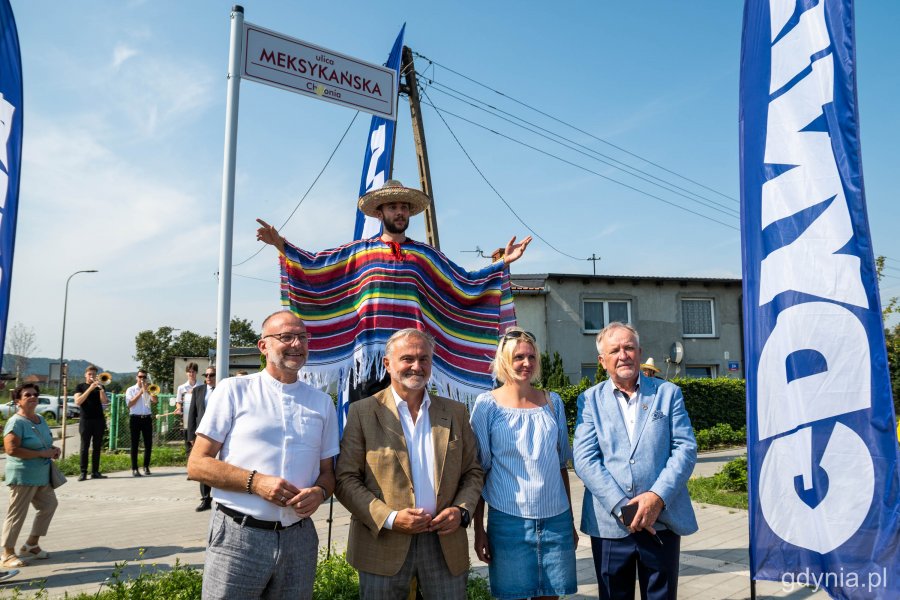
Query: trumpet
(153, 389)
(104, 378)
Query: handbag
(56, 476)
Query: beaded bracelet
(250, 480)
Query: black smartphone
(628, 513)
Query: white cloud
(121, 53)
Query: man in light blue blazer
(635, 448)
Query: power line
(308, 190)
(578, 129)
(620, 165)
(490, 185)
(564, 160)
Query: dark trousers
(141, 426)
(615, 561)
(91, 431)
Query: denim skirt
(531, 557)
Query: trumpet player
(91, 397)
(140, 399)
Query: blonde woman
(523, 446)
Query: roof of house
(534, 283)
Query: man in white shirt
(265, 445)
(183, 399)
(140, 403)
(409, 475)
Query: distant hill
(41, 366)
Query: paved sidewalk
(101, 523)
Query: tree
(891, 338)
(153, 352)
(156, 351)
(20, 344)
(553, 375)
(242, 334)
(189, 343)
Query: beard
(394, 229)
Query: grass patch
(728, 487)
(110, 462)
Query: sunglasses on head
(518, 333)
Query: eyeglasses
(142, 377)
(289, 338)
(29, 395)
(209, 374)
(518, 333)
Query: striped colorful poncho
(354, 297)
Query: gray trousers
(425, 561)
(244, 562)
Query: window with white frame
(600, 313)
(701, 371)
(698, 317)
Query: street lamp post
(63, 404)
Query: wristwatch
(464, 518)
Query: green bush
(728, 487)
(335, 578)
(710, 402)
(478, 588)
(720, 435)
(733, 476)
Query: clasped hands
(416, 520)
(281, 492)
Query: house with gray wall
(691, 326)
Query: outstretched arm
(269, 235)
(515, 251)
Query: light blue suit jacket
(660, 460)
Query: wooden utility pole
(415, 110)
(594, 258)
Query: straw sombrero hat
(650, 365)
(393, 191)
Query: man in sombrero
(354, 297)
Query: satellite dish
(676, 353)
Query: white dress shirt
(629, 408)
(420, 450)
(142, 406)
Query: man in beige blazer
(409, 475)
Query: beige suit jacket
(374, 478)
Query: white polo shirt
(276, 428)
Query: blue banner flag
(10, 152)
(376, 170)
(379, 153)
(823, 456)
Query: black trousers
(91, 431)
(141, 426)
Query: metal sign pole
(223, 331)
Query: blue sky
(124, 128)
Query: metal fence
(167, 426)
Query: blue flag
(379, 153)
(823, 457)
(10, 152)
(376, 170)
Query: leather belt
(249, 521)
